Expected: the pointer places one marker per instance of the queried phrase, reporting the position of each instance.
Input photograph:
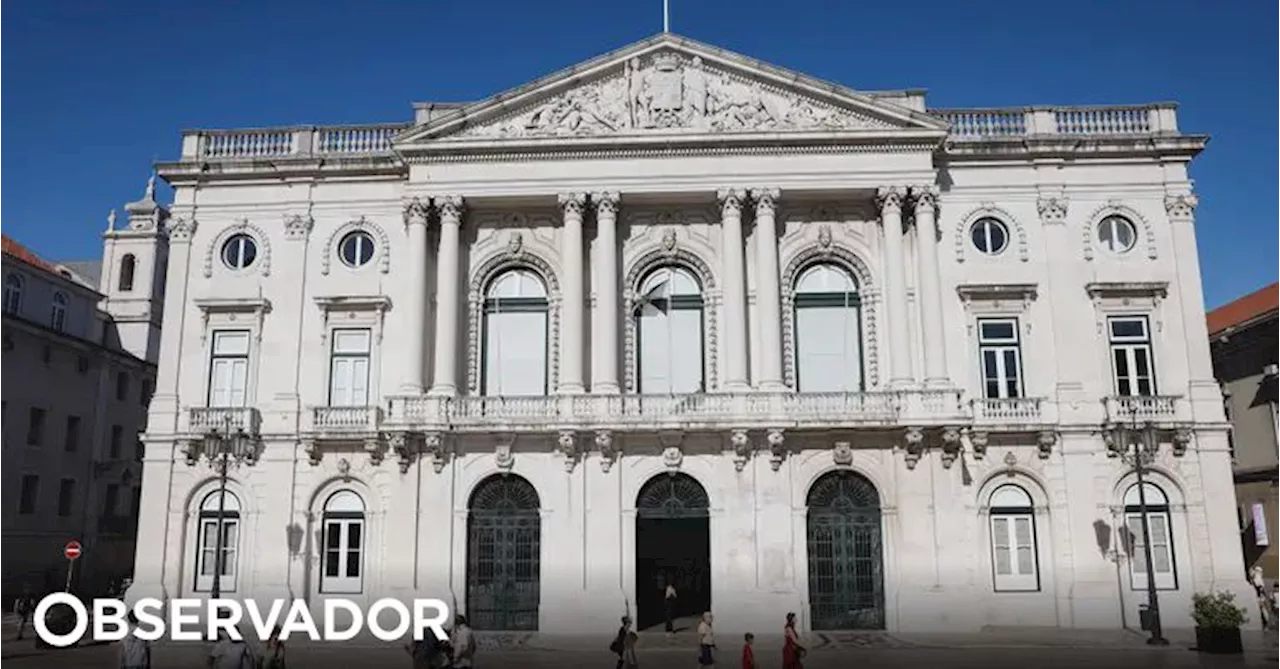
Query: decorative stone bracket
(777, 448)
(1045, 443)
(1181, 440)
(377, 450)
(978, 440)
(433, 444)
(567, 447)
(608, 449)
(314, 453)
(740, 442)
(951, 446)
(913, 445)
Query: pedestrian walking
(629, 659)
(25, 607)
(464, 644)
(273, 653)
(748, 655)
(669, 606)
(231, 653)
(792, 652)
(706, 641)
(135, 653)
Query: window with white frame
(342, 568)
(1158, 528)
(999, 352)
(669, 333)
(58, 312)
(12, 293)
(1014, 562)
(515, 335)
(229, 368)
(218, 537)
(828, 327)
(349, 368)
(1131, 360)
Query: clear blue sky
(95, 91)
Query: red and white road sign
(71, 550)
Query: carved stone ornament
(297, 226)
(416, 212)
(261, 264)
(608, 450)
(344, 469)
(567, 446)
(190, 450)
(1181, 207)
(890, 198)
(670, 92)
(314, 453)
(1114, 449)
(842, 453)
(361, 224)
(181, 229)
(672, 456)
(824, 236)
(777, 448)
(740, 441)
(950, 446)
(978, 439)
(433, 444)
(1181, 440)
(1045, 442)
(1010, 464)
(1052, 209)
(669, 241)
(376, 450)
(502, 455)
(515, 244)
(913, 445)
(451, 208)
(403, 448)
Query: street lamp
(1144, 451)
(221, 447)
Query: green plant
(1217, 611)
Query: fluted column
(734, 288)
(447, 298)
(768, 309)
(605, 378)
(571, 307)
(935, 345)
(890, 201)
(415, 223)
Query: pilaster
(414, 370)
(890, 200)
(768, 290)
(604, 376)
(450, 208)
(573, 307)
(931, 316)
(734, 287)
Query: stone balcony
(1162, 410)
(343, 422)
(974, 125)
(224, 420)
(1012, 412)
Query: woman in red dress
(792, 651)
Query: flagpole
(666, 16)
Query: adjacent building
(674, 314)
(80, 349)
(1242, 335)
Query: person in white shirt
(231, 653)
(134, 652)
(464, 646)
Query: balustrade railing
(301, 142)
(1017, 410)
(204, 420)
(346, 419)
(983, 124)
(1143, 408)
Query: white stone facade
(742, 177)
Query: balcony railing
(1144, 408)
(299, 142)
(1007, 411)
(987, 124)
(346, 420)
(203, 420)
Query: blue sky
(95, 91)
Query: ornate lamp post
(221, 446)
(1143, 451)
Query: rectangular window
(342, 546)
(349, 368)
(229, 369)
(66, 497)
(207, 554)
(117, 436)
(28, 494)
(1161, 551)
(1131, 363)
(1001, 358)
(122, 385)
(111, 501)
(1013, 550)
(72, 442)
(35, 426)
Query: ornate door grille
(503, 555)
(846, 571)
(672, 496)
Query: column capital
(925, 197)
(766, 199)
(1181, 207)
(890, 198)
(731, 199)
(606, 202)
(572, 203)
(416, 212)
(450, 207)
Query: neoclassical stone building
(673, 313)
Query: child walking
(748, 655)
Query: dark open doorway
(673, 545)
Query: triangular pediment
(670, 85)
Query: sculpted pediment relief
(670, 87)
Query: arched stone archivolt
(486, 273)
(330, 251)
(1155, 475)
(1019, 477)
(827, 252)
(261, 264)
(1142, 228)
(1017, 233)
(669, 254)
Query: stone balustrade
(987, 124)
(291, 142)
(345, 420)
(1159, 409)
(1011, 411)
(224, 420)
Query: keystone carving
(502, 456)
(842, 453)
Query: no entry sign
(71, 550)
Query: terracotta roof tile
(13, 248)
(1245, 309)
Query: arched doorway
(504, 532)
(673, 545)
(846, 563)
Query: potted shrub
(1218, 622)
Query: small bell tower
(134, 261)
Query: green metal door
(846, 575)
(504, 532)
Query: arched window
(12, 293)
(127, 266)
(1014, 558)
(58, 312)
(828, 325)
(218, 534)
(515, 335)
(1162, 558)
(669, 333)
(341, 564)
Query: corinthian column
(415, 223)
(768, 310)
(446, 367)
(572, 307)
(734, 288)
(890, 200)
(935, 345)
(605, 378)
